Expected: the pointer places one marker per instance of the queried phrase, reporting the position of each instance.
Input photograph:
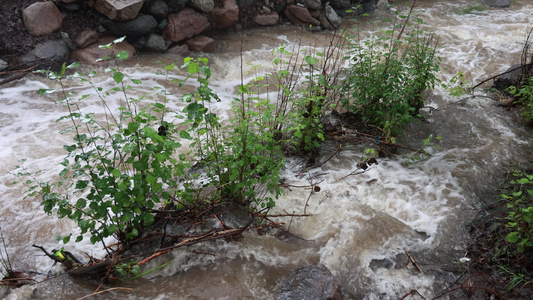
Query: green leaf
(118, 77)
(185, 135)
(311, 60)
(123, 55)
(115, 173)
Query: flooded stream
(360, 225)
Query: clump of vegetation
(387, 75)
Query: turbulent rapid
(361, 224)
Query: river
(360, 225)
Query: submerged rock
(314, 282)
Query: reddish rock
(270, 19)
(85, 38)
(119, 10)
(184, 24)
(302, 14)
(91, 54)
(42, 18)
(226, 15)
(202, 43)
(181, 50)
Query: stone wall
(44, 34)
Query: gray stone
(314, 282)
(51, 54)
(332, 16)
(119, 10)
(313, 4)
(158, 9)
(156, 43)
(176, 5)
(497, 3)
(205, 6)
(3, 65)
(342, 4)
(42, 18)
(141, 25)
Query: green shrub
(524, 95)
(520, 205)
(387, 74)
(119, 167)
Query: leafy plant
(458, 85)
(243, 158)
(524, 95)
(119, 167)
(520, 205)
(387, 75)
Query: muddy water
(360, 225)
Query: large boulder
(156, 43)
(141, 25)
(300, 15)
(225, 15)
(119, 10)
(332, 16)
(268, 19)
(93, 53)
(201, 43)
(512, 76)
(315, 282)
(47, 55)
(185, 24)
(158, 9)
(85, 38)
(497, 3)
(42, 18)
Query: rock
(141, 25)
(302, 14)
(47, 55)
(512, 77)
(119, 10)
(91, 54)
(181, 50)
(42, 18)
(325, 22)
(3, 65)
(202, 43)
(269, 19)
(332, 16)
(85, 38)
(313, 282)
(156, 43)
(313, 4)
(158, 9)
(226, 15)
(382, 4)
(245, 3)
(497, 3)
(184, 24)
(205, 6)
(341, 4)
(176, 5)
